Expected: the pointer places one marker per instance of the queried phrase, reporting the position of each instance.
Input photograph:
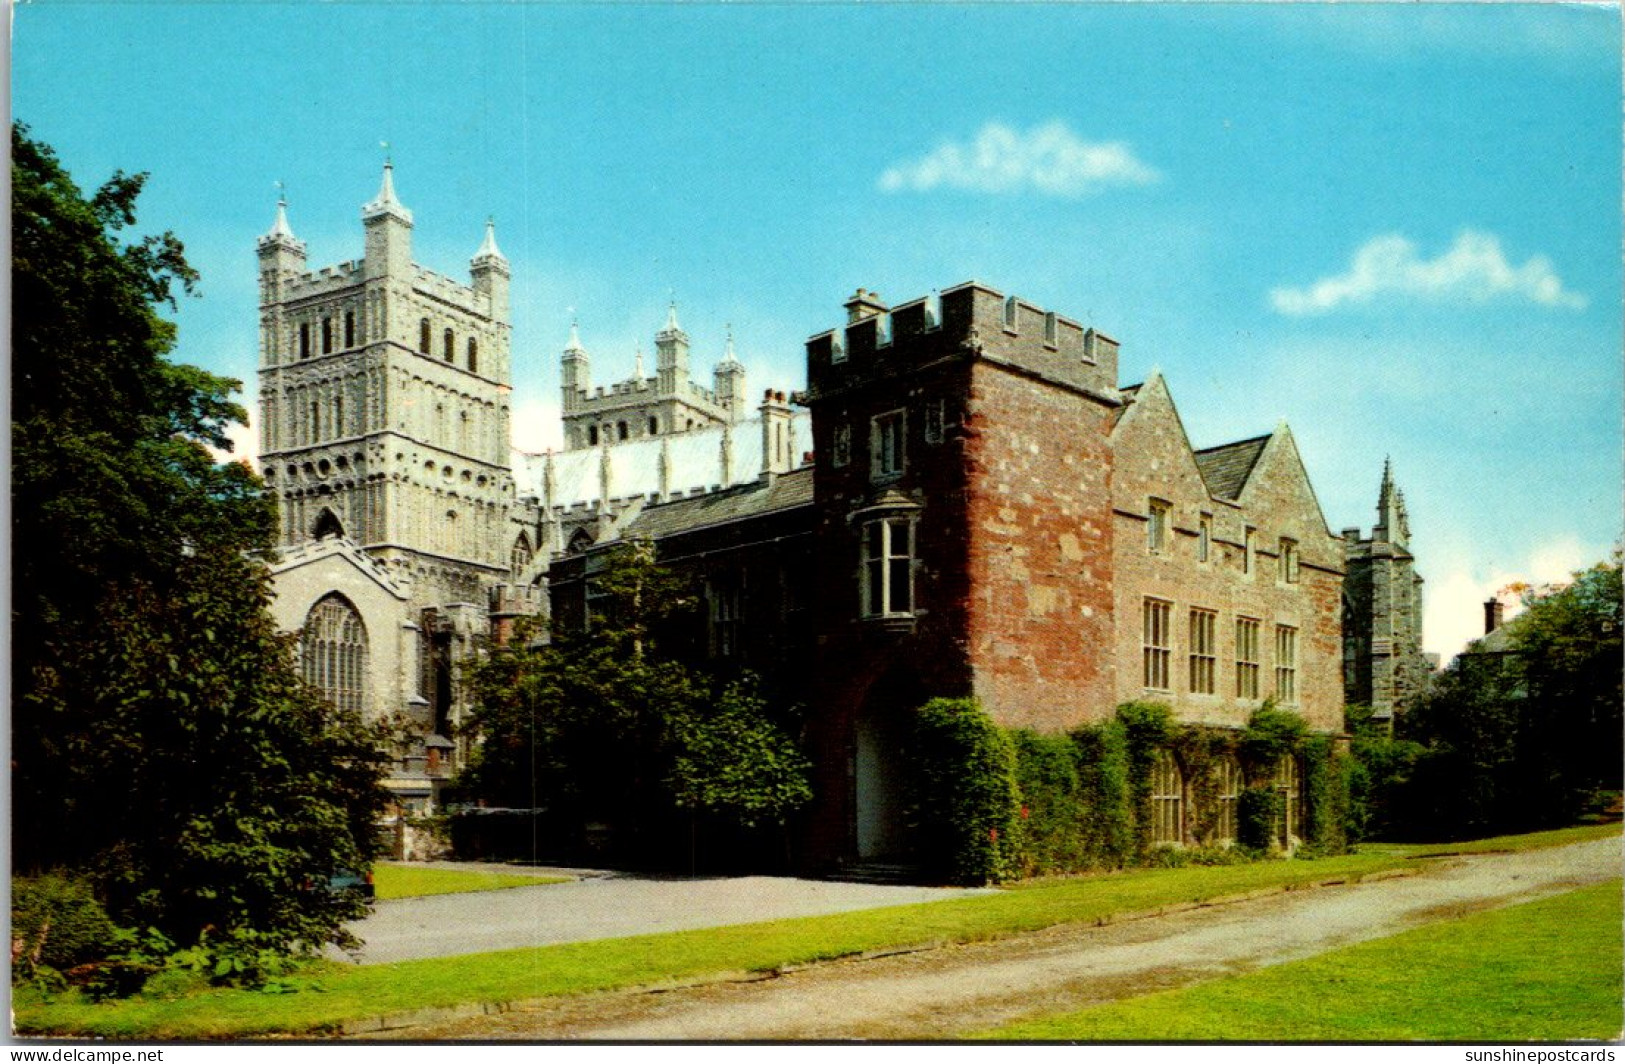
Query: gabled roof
(1227, 467)
(342, 547)
(719, 507)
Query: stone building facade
(964, 501)
(1384, 665)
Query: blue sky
(1397, 227)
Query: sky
(1397, 227)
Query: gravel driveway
(447, 925)
(941, 993)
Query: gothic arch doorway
(881, 733)
(327, 525)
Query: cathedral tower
(1383, 662)
(384, 403)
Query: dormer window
(886, 457)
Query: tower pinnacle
(386, 202)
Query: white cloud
(1454, 599)
(1474, 270)
(1049, 159)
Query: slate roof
(696, 463)
(1227, 467)
(783, 492)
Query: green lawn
(413, 881)
(1499, 843)
(337, 993)
(1545, 970)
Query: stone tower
(639, 406)
(384, 404)
(1383, 663)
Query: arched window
(448, 345)
(654, 426)
(423, 335)
(1227, 785)
(349, 328)
(333, 653)
(1167, 800)
(1290, 788)
(1010, 314)
(338, 415)
(621, 430)
(327, 524)
(592, 435)
(473, 355)
(579, 542)
(327, 336)
(519, 558)
(304, 339)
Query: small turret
(1393, 523)
(491, 273)
(729, 379)
(281, 254)
(389, 230)
(575, 370)
(671, 354)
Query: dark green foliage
(1147, 727)
(1054, 817)
(1257, 810)
(1270, 735)
(162, 741)
(966, 801)
(1199, 750)
(606, 726)
(56, 922)
(1102, 752)
(1522, 737)
(1326, 809)
(1380, 800)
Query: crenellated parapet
(970, 320)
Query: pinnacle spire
(386, 202)
(488, 247)
(281, 227)
(671, 317)
(728, 356)
(637, 362)
(575, 338)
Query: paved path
(946, 992)
(612, 906)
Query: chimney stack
(863, 304)
(1494, 615)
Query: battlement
(325, 281)
(968, 320)
(443, 288)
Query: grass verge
(408, 881)
(1542, 970)
(338, 993)
(1498, 844)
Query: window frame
(888, 462)
(1203, 651)
(1167, 800)
(1156, 644)
(885, 566)
(1204, 539)
(1286, 664)
(1158, 523)
(1248, 665)
(1287, 561)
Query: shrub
(966, 801)
(56, 922)
(1103, 771)
(1052, 836)
(1146, 726)
(1270, 735)
(1257, 809)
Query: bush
(966, 802)
(1146, 727)
(57, 922)
(1052, 835)
(1103, 771)
(1257, 810)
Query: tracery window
(1290, 788)
(1227, 793)
(1167, 800)
(333, 653)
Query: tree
(162, 740)
(1523, 735)
(610, 726)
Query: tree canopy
(1523, 732)
(162, 740)
(608, 725)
